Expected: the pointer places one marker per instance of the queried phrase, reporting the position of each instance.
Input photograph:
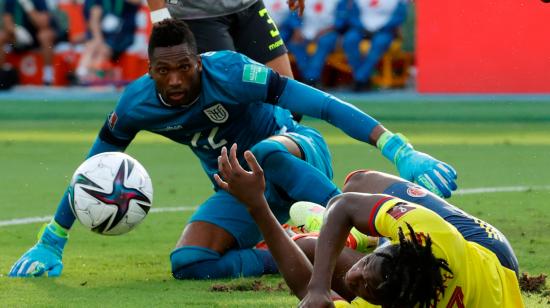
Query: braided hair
(412, 273)
(171, 32)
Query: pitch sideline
(460, 192)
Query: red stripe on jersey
(374, 211)
(353, 173)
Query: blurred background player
(314, 37)
(378, 21)
(28, 24)
(111, 27)
(243, 26)
(280, 13)
(439, 255)
(206, 101)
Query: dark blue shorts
(223, 210)
(472, 229)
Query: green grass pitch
(491, 144)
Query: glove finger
(15, 268)
(22, 270)
(440, 182)
(55, 271)
(36, 269)
(448, 169)
(425, 181)
(441, 172)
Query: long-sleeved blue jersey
(240, 103)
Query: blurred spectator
(281, 15)
(378, 21)
(27, 24)
(111, 28)
(315, 37)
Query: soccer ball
(110, 193)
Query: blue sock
(300, 180)
(194, 262)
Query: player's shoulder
(141, 89)
(226, 62)
(223, 56)
(229, 68)
(136, 93)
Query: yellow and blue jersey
(478, 278)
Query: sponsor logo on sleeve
(113, 118)
(217, 113)
(416, 191)
(255, 73)
(399, 209)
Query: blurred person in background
(315, 36)
(111, 28)
(28, 24)
(377, 21)
(281, 14)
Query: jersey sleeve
(235, 78)
(118, 131)
(300, 98)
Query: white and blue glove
(45, 256)
(436, 176)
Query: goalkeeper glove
(45, 256)
(436, 176)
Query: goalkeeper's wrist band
(53, 237)
(54, 229)
(160, 15)
(391, 144)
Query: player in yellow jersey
(439, 256)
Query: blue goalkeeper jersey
(231, 109)
(241, 101)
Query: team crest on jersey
(216, 113)
(399, 209)
(416, 191)
(112, 120)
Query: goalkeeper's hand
(43, 257)
(436, 176)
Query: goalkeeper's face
(177, 74)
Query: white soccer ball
(110, 193)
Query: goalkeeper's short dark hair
(171, 32)
(413, 274)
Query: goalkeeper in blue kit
(207, 101)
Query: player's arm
(46, 255)
(344, 212)
(413, 165)
(248, 187)
(158, 9)
(37, 13)
(9, 26)
(96, 13)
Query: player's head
(400, 275)
(174, 63)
